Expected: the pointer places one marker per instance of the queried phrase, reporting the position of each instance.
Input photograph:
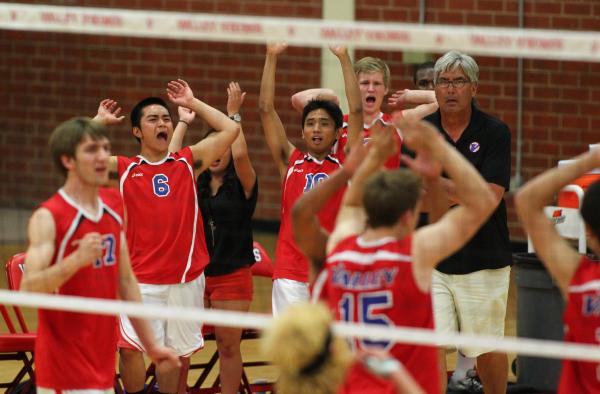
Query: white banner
(528, 43)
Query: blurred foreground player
(77, 247)
(577, 277)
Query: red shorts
(231, 287)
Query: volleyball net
(498, 42)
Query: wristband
(183, 121)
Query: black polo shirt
(486, 144)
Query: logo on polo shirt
(474, 147)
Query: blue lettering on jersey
(591, 305)
(108, 245)
(368, 280)
(313, 180)
(160, 185)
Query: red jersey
(164, 226)
(304, 172)
(77, 350)
(372, 283)
(582, 325)
(338, 149)
(360, 380)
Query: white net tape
(529, 43)
(529, 347)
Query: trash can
(540, 308)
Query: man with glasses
(470, 288)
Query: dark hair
(589, 208)
(68, 135)
(389, 194)
(329, 106)
(136, 112)
(422, 66)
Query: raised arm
(239, 149)
(186, 117)
(556, 253)
(300, 99)
(109, 113)
(355, 114)
(351, 218)
(209, 149)
(310, 237)
(279, 145)
(424, 100)
(39, 275)
(434, 242)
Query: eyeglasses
(456, 83)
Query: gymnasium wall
(48, 77)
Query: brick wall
(48, 78)
(52, 77)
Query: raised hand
(338, 50)
(108, 113)
(89, 249)
(235, 98)
(275, 48)
(398, 98)
(186, 115)
(180, 93)
(382, 139)
(422, 137)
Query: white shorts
(42, 390)
(184, 337)
(473, 303)
(287, 292)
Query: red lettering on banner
(188, 24)
(383, 35)
(543, 43)
(55, 17)
(13, 16)
(340, 33)
(233, 27)
(497, 41)
(102, 20)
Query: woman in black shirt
(227, 194)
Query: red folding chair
(18, 341)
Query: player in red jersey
(577, 277)
(164, 225)
(382, 274)
(301, 171)
(76, 247)
(373, 76)
(312, 360)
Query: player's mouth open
(317, 140)
(370, 99)
(163, 135)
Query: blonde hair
(373, 64)
(296, 340)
